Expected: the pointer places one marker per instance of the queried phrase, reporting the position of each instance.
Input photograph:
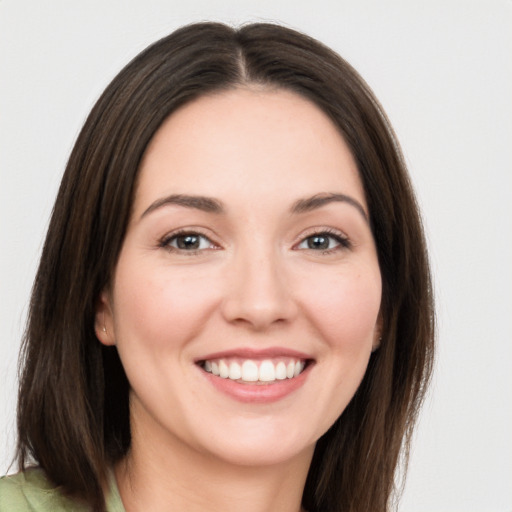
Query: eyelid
(343, 240)
(165, 241)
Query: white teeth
(267, 371)
(223, 369)
(249, 371)
(280, 371)
(235, 371)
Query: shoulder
(31, 491)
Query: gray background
(443, 71)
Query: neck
(175, 477)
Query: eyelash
(342, 242)
(165, 242)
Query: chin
(261, 444)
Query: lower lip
(257, 393)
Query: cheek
(160, 306)
(344, 307)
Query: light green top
(31, 491)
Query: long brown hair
(73, 414)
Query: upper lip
(251, 353)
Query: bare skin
(200, 484)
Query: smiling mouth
(253, 371)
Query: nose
(257, 292)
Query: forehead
(250, 144)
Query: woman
(233, 308)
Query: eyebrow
(205, 204)
(211, 205)
(319, 200)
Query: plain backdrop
(443, 71)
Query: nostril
(259, 314)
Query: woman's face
(245, 302)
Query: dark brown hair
(73, 416)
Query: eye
(188, 242)
(324, 241)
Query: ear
(377, 335)
(104, 320)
